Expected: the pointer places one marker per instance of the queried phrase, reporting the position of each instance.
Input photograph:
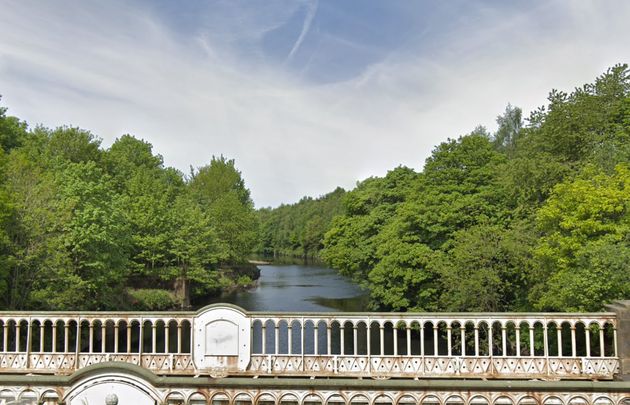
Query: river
(299, 288)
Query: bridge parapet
(225, 340)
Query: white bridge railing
(225, 340)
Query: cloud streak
(118, 68)
(308, 20)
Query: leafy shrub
(149, 299)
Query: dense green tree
(194, 248)
(6, 215)
(35, 246)
(220, 191)
(587, 126)
(351, 242)
(221, 177)
(585, 248)
(94, 237)
(510, 125)
(486, 268)
(12, 131)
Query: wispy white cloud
(308, 20)
(117, 68)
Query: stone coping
(306, 314)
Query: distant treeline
(533, 217)
(82, 227)
(297, 230)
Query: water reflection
(299, 288)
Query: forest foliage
(534, 216)
(84, 227)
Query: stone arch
(552, 400)
(359, 399)
(578, 400)
(94, 383)
(313, 399)
(288, 399)
(503, 400)
(265, 398)
(242, 398)
(479, 400)
(335, 399)
(197, 398)
(406, 399)
(175, 398)
(430, 399)
(603, 400)
(528, 400)
(219, 398)
(454, 400)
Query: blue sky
(305, 95)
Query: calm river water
(299, 288)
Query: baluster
(477, 340)
(316, 338)
(91, 343)
(41, 336)
(381, 330)
(54, 337)
(5, 342)
(559, 335)
(490, 344)
(368, 331)
(395, 337)
(328, 335)
(517, 331)
(302, 340)
(573, 342)
(355, 339)
(449, 341)
(140, 339)
(179, 338)
(167, 335)
(290, 337)
(587, 339)
(463, 338)
(17, 336)
(29, 340)
(78, 342)
(276, 348)
(503, 340)
(422, 338)
(66, 337)
(154, 336)
(546, 341)
(103, 335)
(531, 340)
(435, 339)
(601, 341)
(263, 330)
(342, 349)
(129, 326)
(408, 332)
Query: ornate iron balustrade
(225, 340)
